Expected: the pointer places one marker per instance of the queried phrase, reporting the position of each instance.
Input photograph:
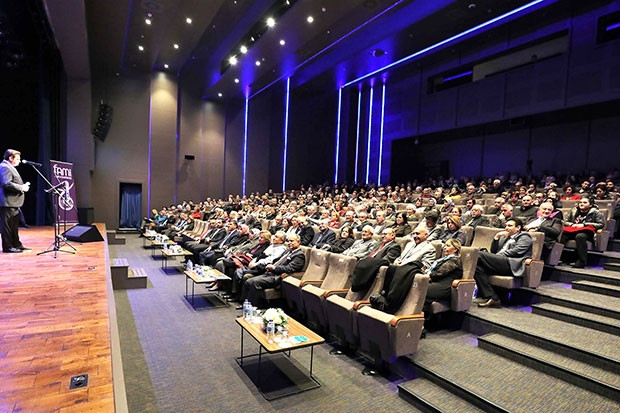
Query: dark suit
(306, 234)
(11, 199)
(321, 238)
(509, 261)
(290, 262)
(389, 252)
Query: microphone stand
(59, 240)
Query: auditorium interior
(178, 100)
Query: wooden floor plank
(55, 324)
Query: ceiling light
(258, 63)
(243, 49)
(236, 80)
(188, 20)
(271, 22)
(232, 60)
(220, 94)
(282, 42)
(141, 48)
(166, 66)
(310, 19)
(147, 21)
(176, 46)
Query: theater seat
(462, 289)
(342, 311)
(276, 293)
(385, 337)
(314, 292)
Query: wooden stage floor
(55, 324)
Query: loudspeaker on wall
(83, 233)
(104, 120)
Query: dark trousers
(490, 264)
(255, 287)
(581, 241)
(9, 225)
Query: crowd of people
(257, 238)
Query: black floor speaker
(83, 233)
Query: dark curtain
(131, 205)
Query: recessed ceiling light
(271, 22)
(243, 49)
(236, 80)
(310, 19)
(258, 63)
(141, 48)
(282, 42)
(188, 20)
(166, 66)
(147, 21)
(220, 95)
(232, 60)
(176, 46)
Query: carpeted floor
(179, 359)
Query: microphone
(25, 162)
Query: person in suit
(509, 250)
(388, 250)
(325, 236)
(548, 225)
(291, 261)
(362, 247)
(11, 199)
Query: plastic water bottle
(190, 265)
(246, 309)
(271, 327)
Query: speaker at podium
(83, 233)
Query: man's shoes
(579, 264)
(480, 300)
(490, 303)
(13, 250)
(24, 248)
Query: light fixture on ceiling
(220, 94)
(176, 46)
(141, 48)
(271, 22)
(310, 19)
(282, 42)
(236, 80)
(188, 20)
(378, 52)
(243, 49)
(232, 60)
(148, 21)
(166, 66)
(258, 63)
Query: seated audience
(344, 241)
(582, 222)
(452, 230)
(362, 247)
(325, 237)
(401, 227)
(547, 224)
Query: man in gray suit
(509, 251)
(11, 199)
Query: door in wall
(130, 205)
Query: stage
(58, 321)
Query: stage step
(428, 396)
(124, 278)
(583, 318)
(113, 239)
(598, 288)
(574, 371)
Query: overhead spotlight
(282, 42)
(219, 95)
(232, 60)
(310, 19)
(166, 66)
(271, 22)
(176, 46)
(252, 39)
(147, 21)
(188, 20)
(141, 48)
(258, 63)
(243, 49)
(236, 80)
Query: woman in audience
(453, 230)
(581, 224)
(334, 221)
(401, 227)
(569, 194)
(345, 240)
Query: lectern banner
(62, 173)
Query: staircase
(125, 278)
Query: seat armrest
(360, 303)
(460, 281)
(533, 273)
(398, 318)
(316, 283)
(341, 292)
(293, 274)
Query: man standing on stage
(11, 199)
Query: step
(582, 318)
(562, 294)
(581, 374)
(567, 274)
(612, 266)
(598, 288)
(595, 347)
(120, 262)
(134, 278)
(494, 383)
(428, 396)
(113, 239)
(137, 273)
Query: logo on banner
(63, 174)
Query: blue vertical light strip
(285, 154)
(381, 135)
(245, 143)
(372, 91)
(336, 160)
(357, 139)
